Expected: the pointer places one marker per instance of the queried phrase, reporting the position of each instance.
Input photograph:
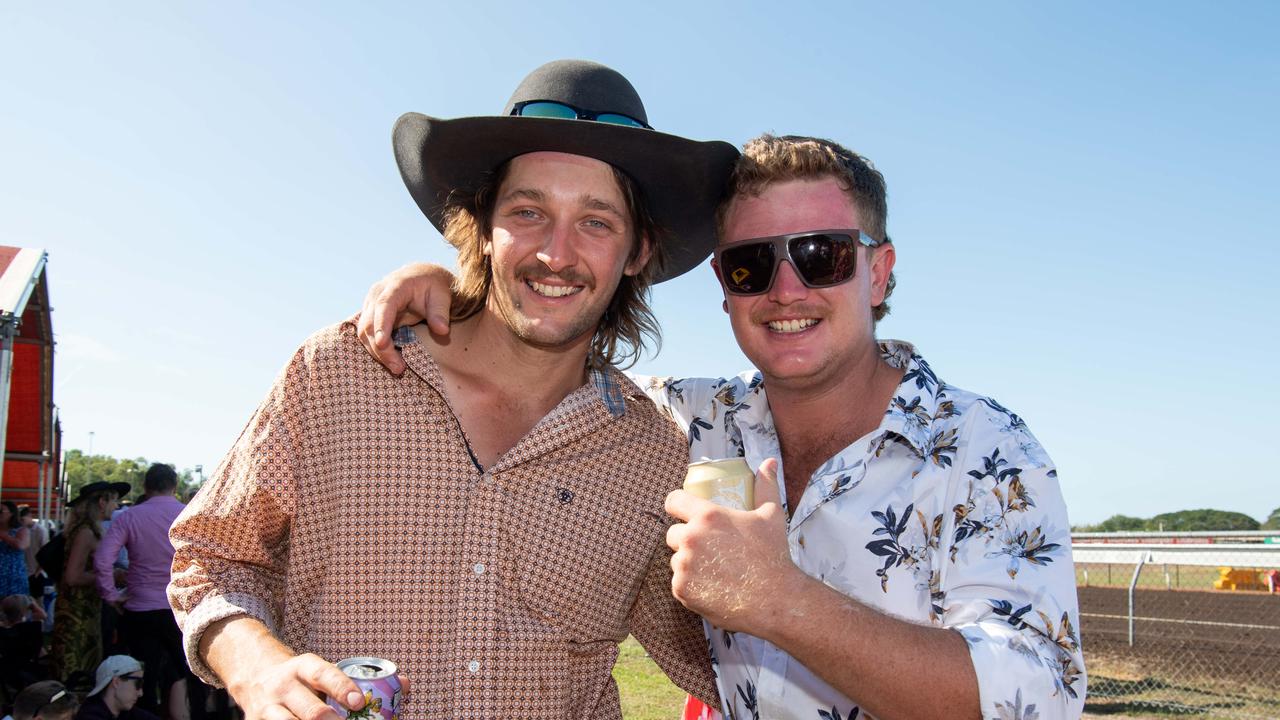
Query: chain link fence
(1191, 628)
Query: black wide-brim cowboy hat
(121, 489)
(682, 179)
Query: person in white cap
(117, 687)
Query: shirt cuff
(211, 610)
(1012, 674)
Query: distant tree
(83, 469)
(1118, 523)
(1273, 521)
(1193, 520)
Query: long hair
(15, 521)
(627, 321)
(770, 159)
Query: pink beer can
(377, 679)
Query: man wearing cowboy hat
(910, 555)
(492, 520)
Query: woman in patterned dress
(77, 629)
(13, 557)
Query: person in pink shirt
(148, 625)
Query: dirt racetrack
(1230, 638)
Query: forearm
(235, 647)
(873, 658)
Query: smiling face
(561, 241)
(796, 335)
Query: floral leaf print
(922, 375)
(1014, 710)
(695, 429)
(1004, 608)
(1029, 546)
(840, 486)
(946, 409)
(1014, 422)
(673, 387)
(913, 412)
(889, 548)
(749, 699)
(942, 447)
(834, 713)
(725, 395)
(727, 637)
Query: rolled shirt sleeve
(231, 542)
(1010, 583)
(104, 558)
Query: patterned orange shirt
(350, 519)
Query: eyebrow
(590, 202)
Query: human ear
(637, 263)
(882, 261)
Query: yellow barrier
(1236, 579)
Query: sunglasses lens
(616, 119)
(548, 110)
(823, 259)
(747, 269)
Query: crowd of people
(96, 589)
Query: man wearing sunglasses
(910, 553)
(115, 694)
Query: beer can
(727, 482)
(377, 679)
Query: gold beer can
(727, 482)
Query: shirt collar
(612, 387)
(920, 399)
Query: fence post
(1142, 560)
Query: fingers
(299, 703)
(439, 303)
(317, 674)
(767, 484)
(681, 504)
(676, 535)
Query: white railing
(1249, 555)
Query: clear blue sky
(1083, 198)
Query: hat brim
(682, 179)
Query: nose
(787, 286)
(558, 248)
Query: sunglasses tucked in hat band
(821, 258)
(681, 179)
(554, 109)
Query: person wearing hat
(910, 552)
(44, 700)
(116, 689)
(77, 620)
(491, 521)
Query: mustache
(538, 272)
(761, 316)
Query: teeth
(554, 290)
(791, 326)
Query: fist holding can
(377, 679)
(728, 482)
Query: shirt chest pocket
(575, 563)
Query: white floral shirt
(948, 514)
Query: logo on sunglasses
(740, 275)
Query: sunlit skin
(819, 358)
(560, 245)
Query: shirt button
(473, 666)
(478, 568)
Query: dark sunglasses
(135, 678)
(821, 258)
(565, 111)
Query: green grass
(646, 693)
